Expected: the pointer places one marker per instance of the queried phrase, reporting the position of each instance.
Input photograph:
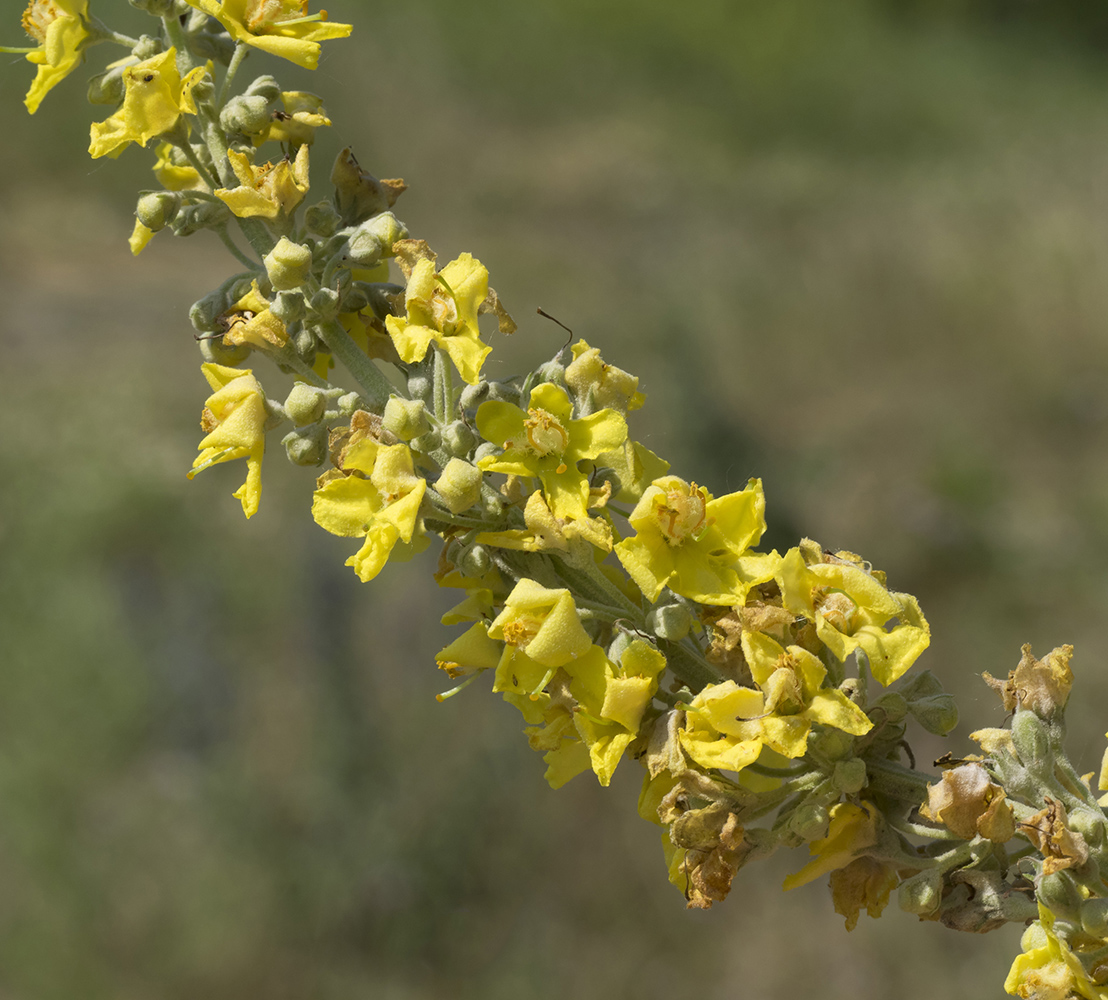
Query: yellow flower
(379, 499)
(154, 99)
(1048, 969)
(268, 189)
(696, 545)
(251, 321)
(722, 727)
(546, 532)
(790, 679)
(442, 309)
(852, 829)
(545, 441)
(295, 125)
(851, 608)
(174, 176)
(234, 417)
(603, 385)
(61, 28)
(280, 27)
(543, 623)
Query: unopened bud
(484, 450)
(420, 386)
(809, 822)
(247, 113)
(206, 215)
(922, 893)
(406, 418)
(473, 395)
(670, 621)
(349, 403)
(1059, 894)
(213, 350)
(288, 306)
(265, 86)
(458, 439)
(305, 404)
(108, 87)
(459, 485)
(850, 776)
(475, 561)
(892, 705)
(504, 392)
(551, 371)
(288, 265)
(937, 714)
(306, 446)
(156, 209)
(373, 240)
(304, 343)
(1094, 917)
(325, 303)
(321, 218)
(426, 443)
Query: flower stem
(374, 385)
(241, 52)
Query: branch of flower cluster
(625, 612)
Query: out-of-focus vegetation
(858, 249)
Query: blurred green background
(856, 248)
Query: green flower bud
(156, 209)
(406, 418)
(108, 87)
(204, 314)
(213, 350)
(303, 342)
(475, 561)
(1029, 736)
(1059, 894)
(937, 714)
(321, 218)
(459, 485)
(420, 386)
(248, 114)
(832, 744)
(349, 403)
(1094, 917)
(809, 821)
(373, 240)
(426, 443)
(264, 86)
(1091, 824)
(194, 218)
(551, 371)
(922, 893)
(307, 445)
(473, 395)
(670, 621)
(305, 404)
(893, 706)
(850, 775)
(458, 439)
(484, 450)
(288, 265)
(325, 303)
(288, 306)
(504, 392)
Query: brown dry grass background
(858, 249)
